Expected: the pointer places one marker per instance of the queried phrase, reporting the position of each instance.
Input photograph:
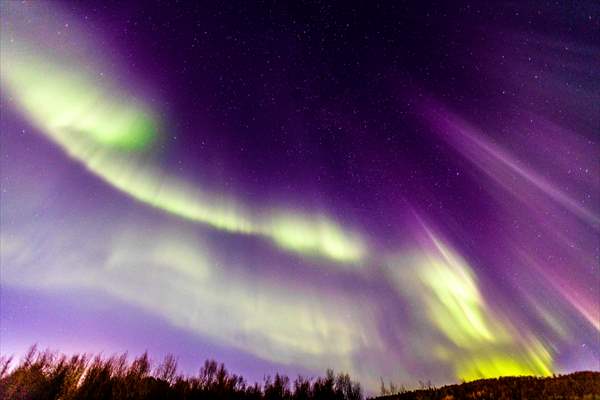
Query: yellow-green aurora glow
(481, 341)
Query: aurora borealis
(406, 192)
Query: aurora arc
(113, 137)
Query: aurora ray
(481, 341)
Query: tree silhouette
(43, 375)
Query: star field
(402, 191)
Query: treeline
(43, 375)
(575, 386)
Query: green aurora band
(113, 137)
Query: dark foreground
(575, 386)
(49, 376)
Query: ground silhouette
(576, 386)
(45, 375)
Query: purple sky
(400, 191)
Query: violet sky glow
(410, 194)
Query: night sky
(405, 190)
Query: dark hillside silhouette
(575, 386)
